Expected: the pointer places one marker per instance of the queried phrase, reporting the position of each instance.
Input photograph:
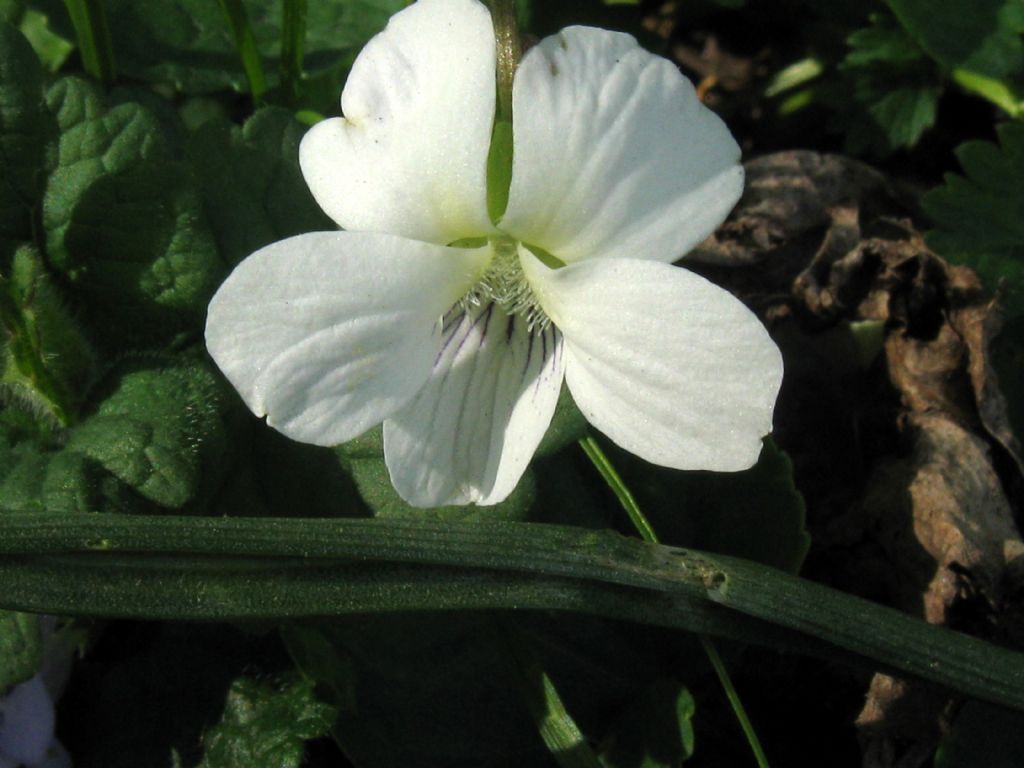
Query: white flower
(457, 332)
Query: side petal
(470, 433)
(328, 333)
(668, 365)
(26, 723)
(614, 155)
(410, 155)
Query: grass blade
(293, 46)
(219, 568)
(93, 35)
(245, 42)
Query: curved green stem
(734, 700)
(643, 526)
(623, 494)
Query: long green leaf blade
(293, 48)
(215, 568)
(93, 33)
(245, 42)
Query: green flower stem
(245, 42)
(293, 45)
(734, 700)
(510, 50)
(172, 567)
(499, 158)
(604, 467)
(93, 34)
(643, 526)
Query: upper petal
(470, 433)
(614, 155)
(410, 155)
(328, 333)
(668, 365)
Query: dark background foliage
(880, 238)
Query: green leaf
(10, 11)
(655, 731)
(62, 481)
(979, 43)
(979, 217)
(74, 483)
(95, 141)
(189, 44)
(316, 657)
(885, 42)
(266, 724)
(124, 223)
(160, 431)
(22, 484)
(894, 85)
(252, 189)
(25, 129)
(48, 365)
(21, 648)
(140, 252)
(756, 514)
(37, 475)
(52, 49)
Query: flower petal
(26, 722)
(614, 155)
(668, 365)
(470, 433)
(410, 155)
(328, 333)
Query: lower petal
(329, 333)
(671, 367)
(470, 433)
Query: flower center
(504, 284)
